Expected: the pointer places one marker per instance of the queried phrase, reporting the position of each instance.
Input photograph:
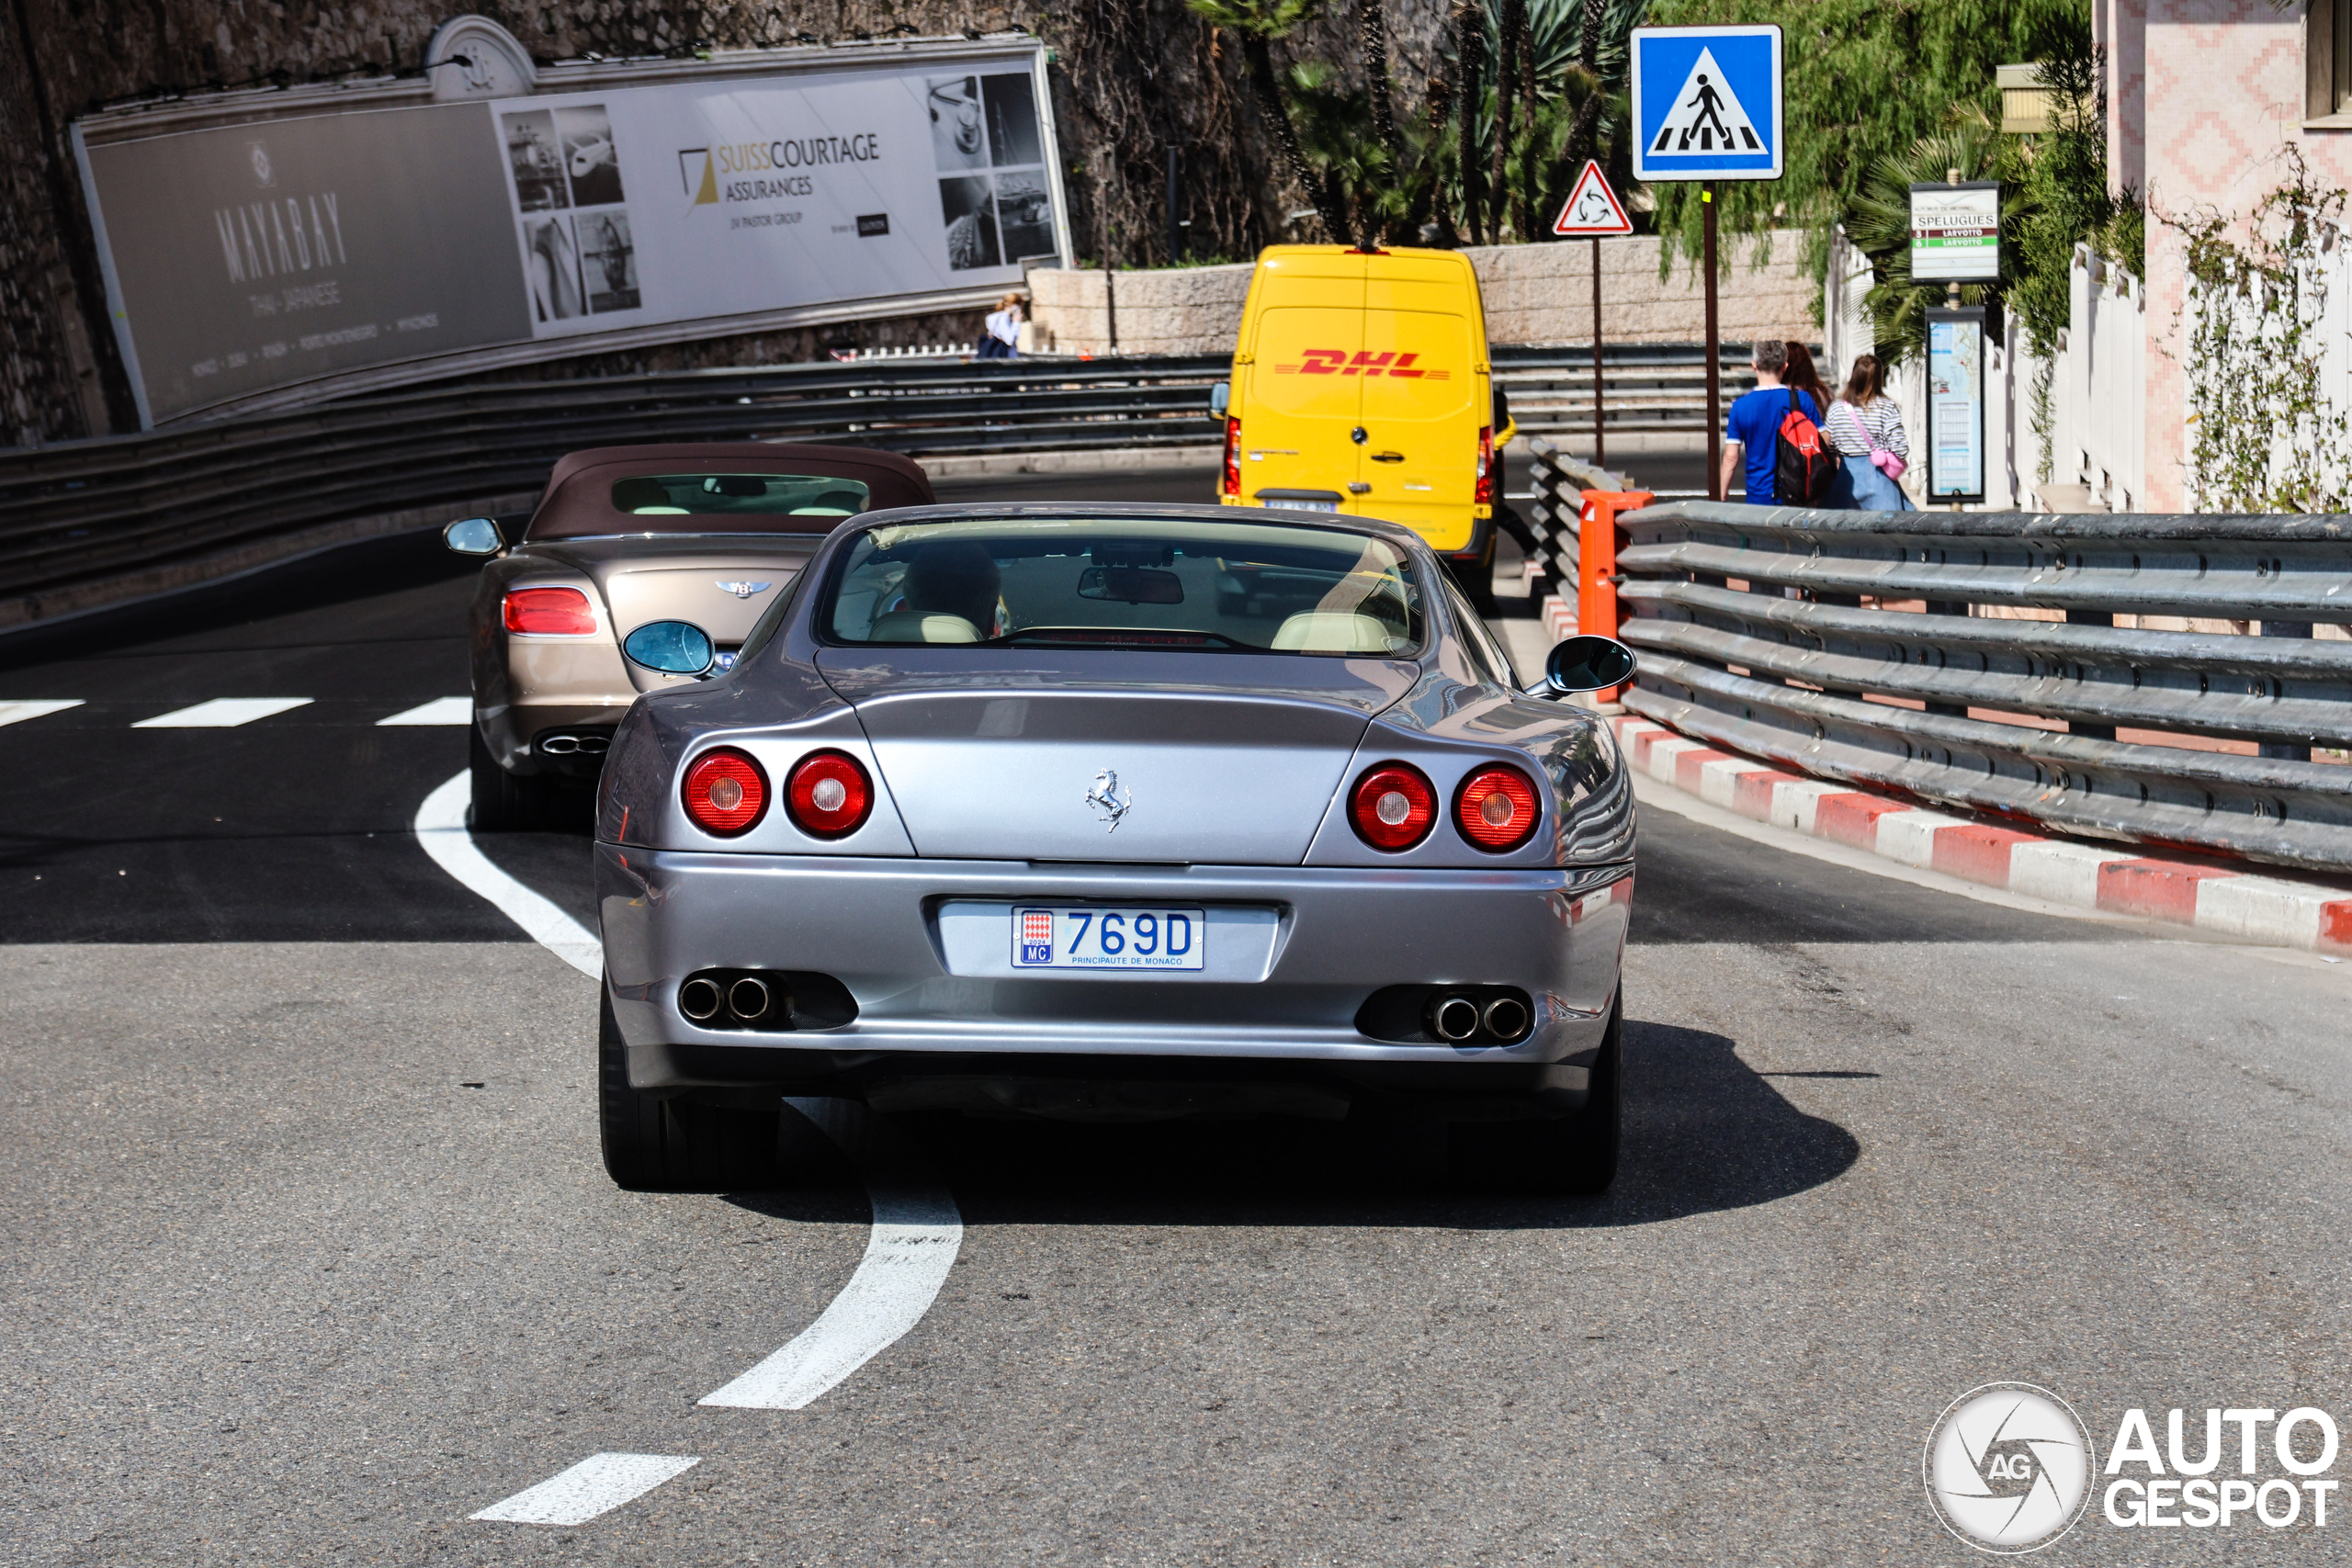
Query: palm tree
(1257, 23)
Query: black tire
(1573, 1155)
(501, 803)
(653, 1145)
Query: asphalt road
(305, 1254)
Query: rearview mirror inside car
(473, 537)
(673, 648)
(1589, 664)
(1220, 397)
(1131, 585)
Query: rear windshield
(766, 495)
(1137, 584)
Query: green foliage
(1866, 80)
(2264, 435)
(1878, 223)
(2062, 175)
(1546, 150)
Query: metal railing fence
(87, 511)
(2178, 681)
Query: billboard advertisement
(249, 258)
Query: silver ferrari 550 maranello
(1117, 812)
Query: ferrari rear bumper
(1329, 938)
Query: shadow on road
(1703, 1133)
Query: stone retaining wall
(1535, 294)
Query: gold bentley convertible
(631, 538)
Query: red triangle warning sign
(1593, 209)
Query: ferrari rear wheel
(653, 1145)
(501, 803)
(1575, 1155)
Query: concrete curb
(2270, 910)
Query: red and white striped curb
(2267, 910)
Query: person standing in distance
(1003, 338)
(1752, 428)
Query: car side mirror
(1220, 397)
(1588, 664)
(473, 537)
(672, 647)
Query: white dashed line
(440, 710)
(221, 713)
(18, 712)
(441, 828)
(598, 1484)
(918, 1230)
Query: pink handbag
(1888, 463)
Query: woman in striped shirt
(1866, 429)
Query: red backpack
(1803, 466)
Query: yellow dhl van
(1360, 385)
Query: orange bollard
(1597, 563)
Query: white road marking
(441, 828)
(221, 713)
(18, 712)
(598, 1484)
(440, 710)
(918, 1230)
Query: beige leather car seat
(1333, 631)
(922, 625)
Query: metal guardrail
(84, 517)
(1857, 645)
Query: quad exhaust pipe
(721, 998)
(1457, 1015)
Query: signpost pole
(1600, 452)
(1714, 372)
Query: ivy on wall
(2263, 435)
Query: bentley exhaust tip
(748, 999)
(1507, 1018)
(698, 999)
(1455, 1019)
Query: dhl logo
(1336, 362)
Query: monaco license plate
(1093, 937)
(1303, 505)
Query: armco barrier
(1887, 648)
(96, 522)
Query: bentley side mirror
(473, 537)
(1220, 397)
(672, 648)
(1588, 664)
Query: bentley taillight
(829, 794)
(1233, 459)
(550, 612)
(1485, 494)
(1496, 808)
(726, 792)
(1392, 806)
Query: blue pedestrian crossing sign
(1707, 103)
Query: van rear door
(1302, 402)
(1422, 403)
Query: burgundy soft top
(578, 502)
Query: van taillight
(550, 612)
(1233, 459)
(1484, 495)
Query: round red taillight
(1496, 808)
(1392, 806)
(829, 794)
(550, 612)
(726, 794)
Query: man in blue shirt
(1752, 429)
